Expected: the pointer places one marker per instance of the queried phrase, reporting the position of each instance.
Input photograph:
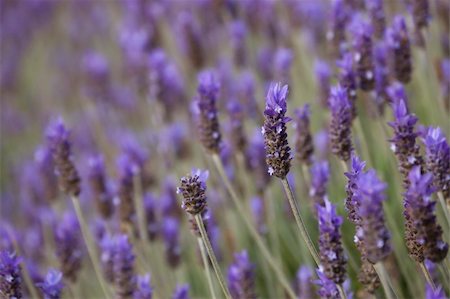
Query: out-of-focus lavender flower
(328, 289)
(237, 132)
(192, 189)
(97, 75)
(265, 56)
(181, 292)
(340, 14)
(421, 13)
(376, 13)
(52, 285)
(420, 207)
(150, 216)
(396, 92)
(58, 139)
(430, 293)
(241, 277)
(69, 246)
(258, 209)
(44, 161)
(278, 152)
(144, 289)
(444, 76)
(304, 147)
(208, 123)
(107, 245)
(245, 91)
(238, 33)
(322, 73)
(98, 184)
(362, 33)
(303, 286)
(190, 38)
(170, 233)
(400, 50)
(373, 231)
(320, 175)
(347, 79)
(404, 140)
(123, 265)
(169, 202)
(322, 144)
(437, 159)
(126, 208)
(256, 162)
(351, 203)
(331, 252)
(381, 75)
(341, 123)
(10, 275)
(282, 60)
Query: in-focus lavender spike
(10, 275)
(351, 202)
(193, 191)
(400, 50)
(341, 123)
(241, 277)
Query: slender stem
(88, 239)
(206, 265)
(253, 232)
(139, 207)
(427, 275)
(299, 221)
(341, 291)
(212, 256)
(384, 279)
(445, 207)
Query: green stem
(299, 221)
(253, 232)
(206, 265)
(427, 275)
(88, 239)
(384, 279)
(212, 256)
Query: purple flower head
(438, 159)
(170, 233)
(96, 67)
(123, 265)
(347, 78)
(377, 16)
(126, 208)
(58, 140)
(238, 32)
(430, 293)
(322, 143)
(278, 152)
(46, 168)
(144, 289)
(304, 147)
(398, 41)
(10, 275)
(282, 64)
(237, 132)
(351, 202)
(327, 288)
(370, 194)
(256, 162)
(98, 184)
(320, 175)
(322, 73)
(421, 13)
(304, 287)
(259, 213)
(107, 245)
(150, 205)
(340, 15)
(241, 277)
(181, 292)
(341, 121)
(52, 285)
(192, 189)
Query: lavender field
(237, 149)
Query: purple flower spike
(181, 292)
(339, 19)
(420, 207)
(238, 32)
(278, 152)
(123, 261)
(237, 132)
(58, 139)
(381, 75)
(437, 159)
(208, 123)
(193, 190)
(421, 13)
(282, 64)
(328, 288)
(304, 147)
(170, 234)
(347, 79)
(150, 212)
(377, 16)
(97, 181)
(10, 275)
(126, 191)
(332, 257)
(241, 277)
(351, 202)
(434, 294)
(107, 245)
(373, 230)
(304, 288)
(46, 168)
(398, 42)
(341, 123)
(320, 175)
(144, 289)
(322, 72)
(52, 285)
(256, 162)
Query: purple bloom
(58, 139)
(193, 188)
(107, 245)
(398, 42)
(282, 64)
(304, 147)
(304, 288)
(181, 292)
(396, 92)
(322, 73)
(126, 208)
(52, 285)
(150, 213)
(347, 79)
(381, 75)
(245, 90)
(328, 288)
(144, 289)
(320, 175)
(46, 169)
(376, 13)
(238, 32)
(258, 209)
(256, 162)
(123, 265)
(170, 233)
(10, 275)
(278, 152)
(341, 122)
(190, 38)
(168, 201)
(420, 13)
(98, 184)
(237, 132)
(339, 18)
(351, 203)
(432, 294)
(241, 277)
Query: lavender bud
(107, 245)
(241, 277)
(347, 79)
(376, 13)
(278, 152)
(10, 275)
(123, 261)
(322, 73)
(332, 257)
(303, 287)
(170, 234)
(144, 289)
(351, 202)
(58, 139)
(341, 123)
(181, 292)
(237, 132)
(208, 123)
(304, 147)
(320, 175)
(282, 64)
(150, 216)
(328, 289)
(69, 246)
(373, 229)
(398, 42)
(52, 285)
(97, 181)
(193, 188)
(437, 159)
(430, 293)
(420, 13)
(421, 208)
(363, 53)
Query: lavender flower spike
(437, 159)
(320, 175)
(123, 260)
(421, 13)
(322, 73)
(144, 289)
(193, 188)
(58, 138)
(208, 123)
(347, 79)
(351, 202)
(52, 285)
(377, 16)
(421, 208)
(241, 277)
(341, 122)
(10, 275)
(97, 181)
(278, 152)
(304, 288)
(181, 292)
(398, 42)
(328, 288)
(304, 147)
